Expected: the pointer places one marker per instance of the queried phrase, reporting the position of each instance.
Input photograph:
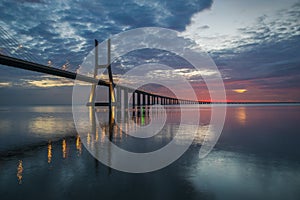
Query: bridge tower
(111, 91)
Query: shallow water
(256, 157)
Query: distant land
(264, 102)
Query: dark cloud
(60, 30)
(274, 59)
(30, 1)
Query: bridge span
(139, 97)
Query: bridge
(139, 97)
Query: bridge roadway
(151, 97)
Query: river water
(256, 157)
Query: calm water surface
(257, 157)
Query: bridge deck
(22, 64)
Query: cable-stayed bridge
(10, 56)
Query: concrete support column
(118, 96)
(125, 98)
(133, 100)
(148, 99)
(144, 99)
(138, 99)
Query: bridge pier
(125, 92)
(133, 100)
(119, 96)
(148, 99)
(144, 99)
(138, 100)
(111, 90)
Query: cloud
(276, 59)
(34, 80)
(254, 44)
(5, 84)
(240, 90)
(64, 31)
(187, 73)
(46, 83)
(60, 30)
(248, 23)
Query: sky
(255, 44)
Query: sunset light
(240, 90)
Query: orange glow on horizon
(240, 90)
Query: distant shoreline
(253, 103)
(200, 103)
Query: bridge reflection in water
(114, 124)
(140, 130)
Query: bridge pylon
(111, 91)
